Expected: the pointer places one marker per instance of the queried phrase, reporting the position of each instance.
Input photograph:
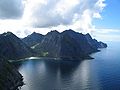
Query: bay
(101, 73)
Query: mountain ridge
(11, 47)
(33, 39)
(67, 44)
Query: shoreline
(32, 58)
(52, 58)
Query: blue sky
(110, 16)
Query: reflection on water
(102, 73)
(56, 75)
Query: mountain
(11, 47)
(49, 44)
(33, 39)
(10, 78)
(94, 43)
(68, 44)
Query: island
(67, 45)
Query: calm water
(101, 73)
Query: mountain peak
(88, 36)
(12, 47)
(69, 30)
(7, 33)
(35, 34)
(33, 39)
(53, 32)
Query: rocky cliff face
(33, 39)
(94, 43)
(10, 78)
(50, 45)
(75, 45)
(11, 47)
(68, 44)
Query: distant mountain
(51, 43)
(11, 47)
(33, 39)
(68, 44)
(94, 43)
(10, 78)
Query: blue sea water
(101, 73)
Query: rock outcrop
(12, 47)
(10, 78)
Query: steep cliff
(94, 43)
(11, 47)
(10, 78)
(33, 39)
(68, 44)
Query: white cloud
(97, 15)
(73, 13)
(45, 15)
(106, 34)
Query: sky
(110, 15)
(100, 18)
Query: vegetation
(45, 54)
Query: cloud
(45, 15)
(106, 34)
(77, 14)
(11, 9)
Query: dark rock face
(33, 39)
(10, 78)
(94, 43)
(11, 47)
(75, 45)
(50, 45)
(102, 45)
(68, 44)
